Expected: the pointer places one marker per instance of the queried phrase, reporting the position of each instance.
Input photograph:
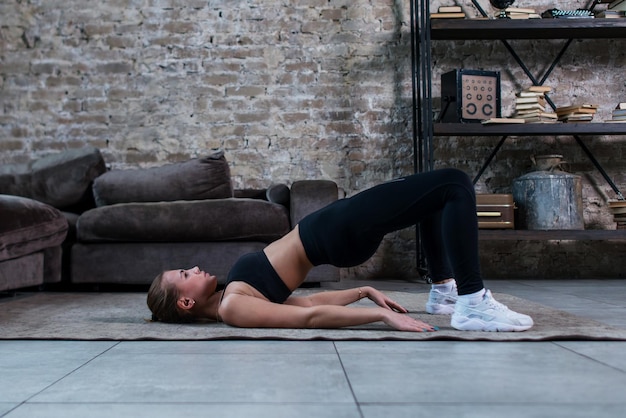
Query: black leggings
(348, 232)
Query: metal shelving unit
(424, 31)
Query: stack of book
(619, 113)
(518, 13)
(618, 208)
(448, 12)
(530, 105)
(616, 9)
(577, 113)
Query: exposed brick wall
(290, 90)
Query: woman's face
(192, 283)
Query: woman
(347, 233)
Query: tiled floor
(332, 379)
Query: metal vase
(548, 200)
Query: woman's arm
(345, 297)
(331, 297)
(251, 312)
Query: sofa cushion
(196, 179)
(28, 226)
(185, 221)
(60, 180)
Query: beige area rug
(125, 317)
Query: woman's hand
(383, 300)
(403, 322)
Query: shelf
(424, 31)
(528, 235)
(530, 129)
(464, 29)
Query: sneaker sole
(440, 309)
(478, 325)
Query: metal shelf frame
(423, 31)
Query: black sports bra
(256, 270)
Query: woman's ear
(185, 303)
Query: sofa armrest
(307, 196)
(276, 193)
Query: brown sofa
(31, 234)
(39, 201)
(182, 215)
(126, 226)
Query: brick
(8, 145)
(251, 117)
(114, 67)
(42, 68)
(248, 91)
(63, 82)
(180, 27)
(120, 41)
(91, 30)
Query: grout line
(571, 350)
(345, 373)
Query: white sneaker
(440, 303)
(488, 315)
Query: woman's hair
(162, 302)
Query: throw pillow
(196, 179)
(60, 180)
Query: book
(619, 117)
(617, 204)
(589, 112)
(527, 106)
(534, 99)
(501, 120)
(611, 14)
(619, 112)
(541, 120)
(517, 16)
(447, 15)
(621, 105)
(542, 89)
(576, 117)
(520, 10)
(518, 13)
(450, 9)
(530, 94)
(522, 16)
(584, 108)
(535, 114)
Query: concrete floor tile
(505, 372)
(28, 367)
(155, 378)
(187, 410)
(525, 410)
(610, 353)
(223, 347)
(6, 407)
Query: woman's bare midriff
(289, 259)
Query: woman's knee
(458, 177)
